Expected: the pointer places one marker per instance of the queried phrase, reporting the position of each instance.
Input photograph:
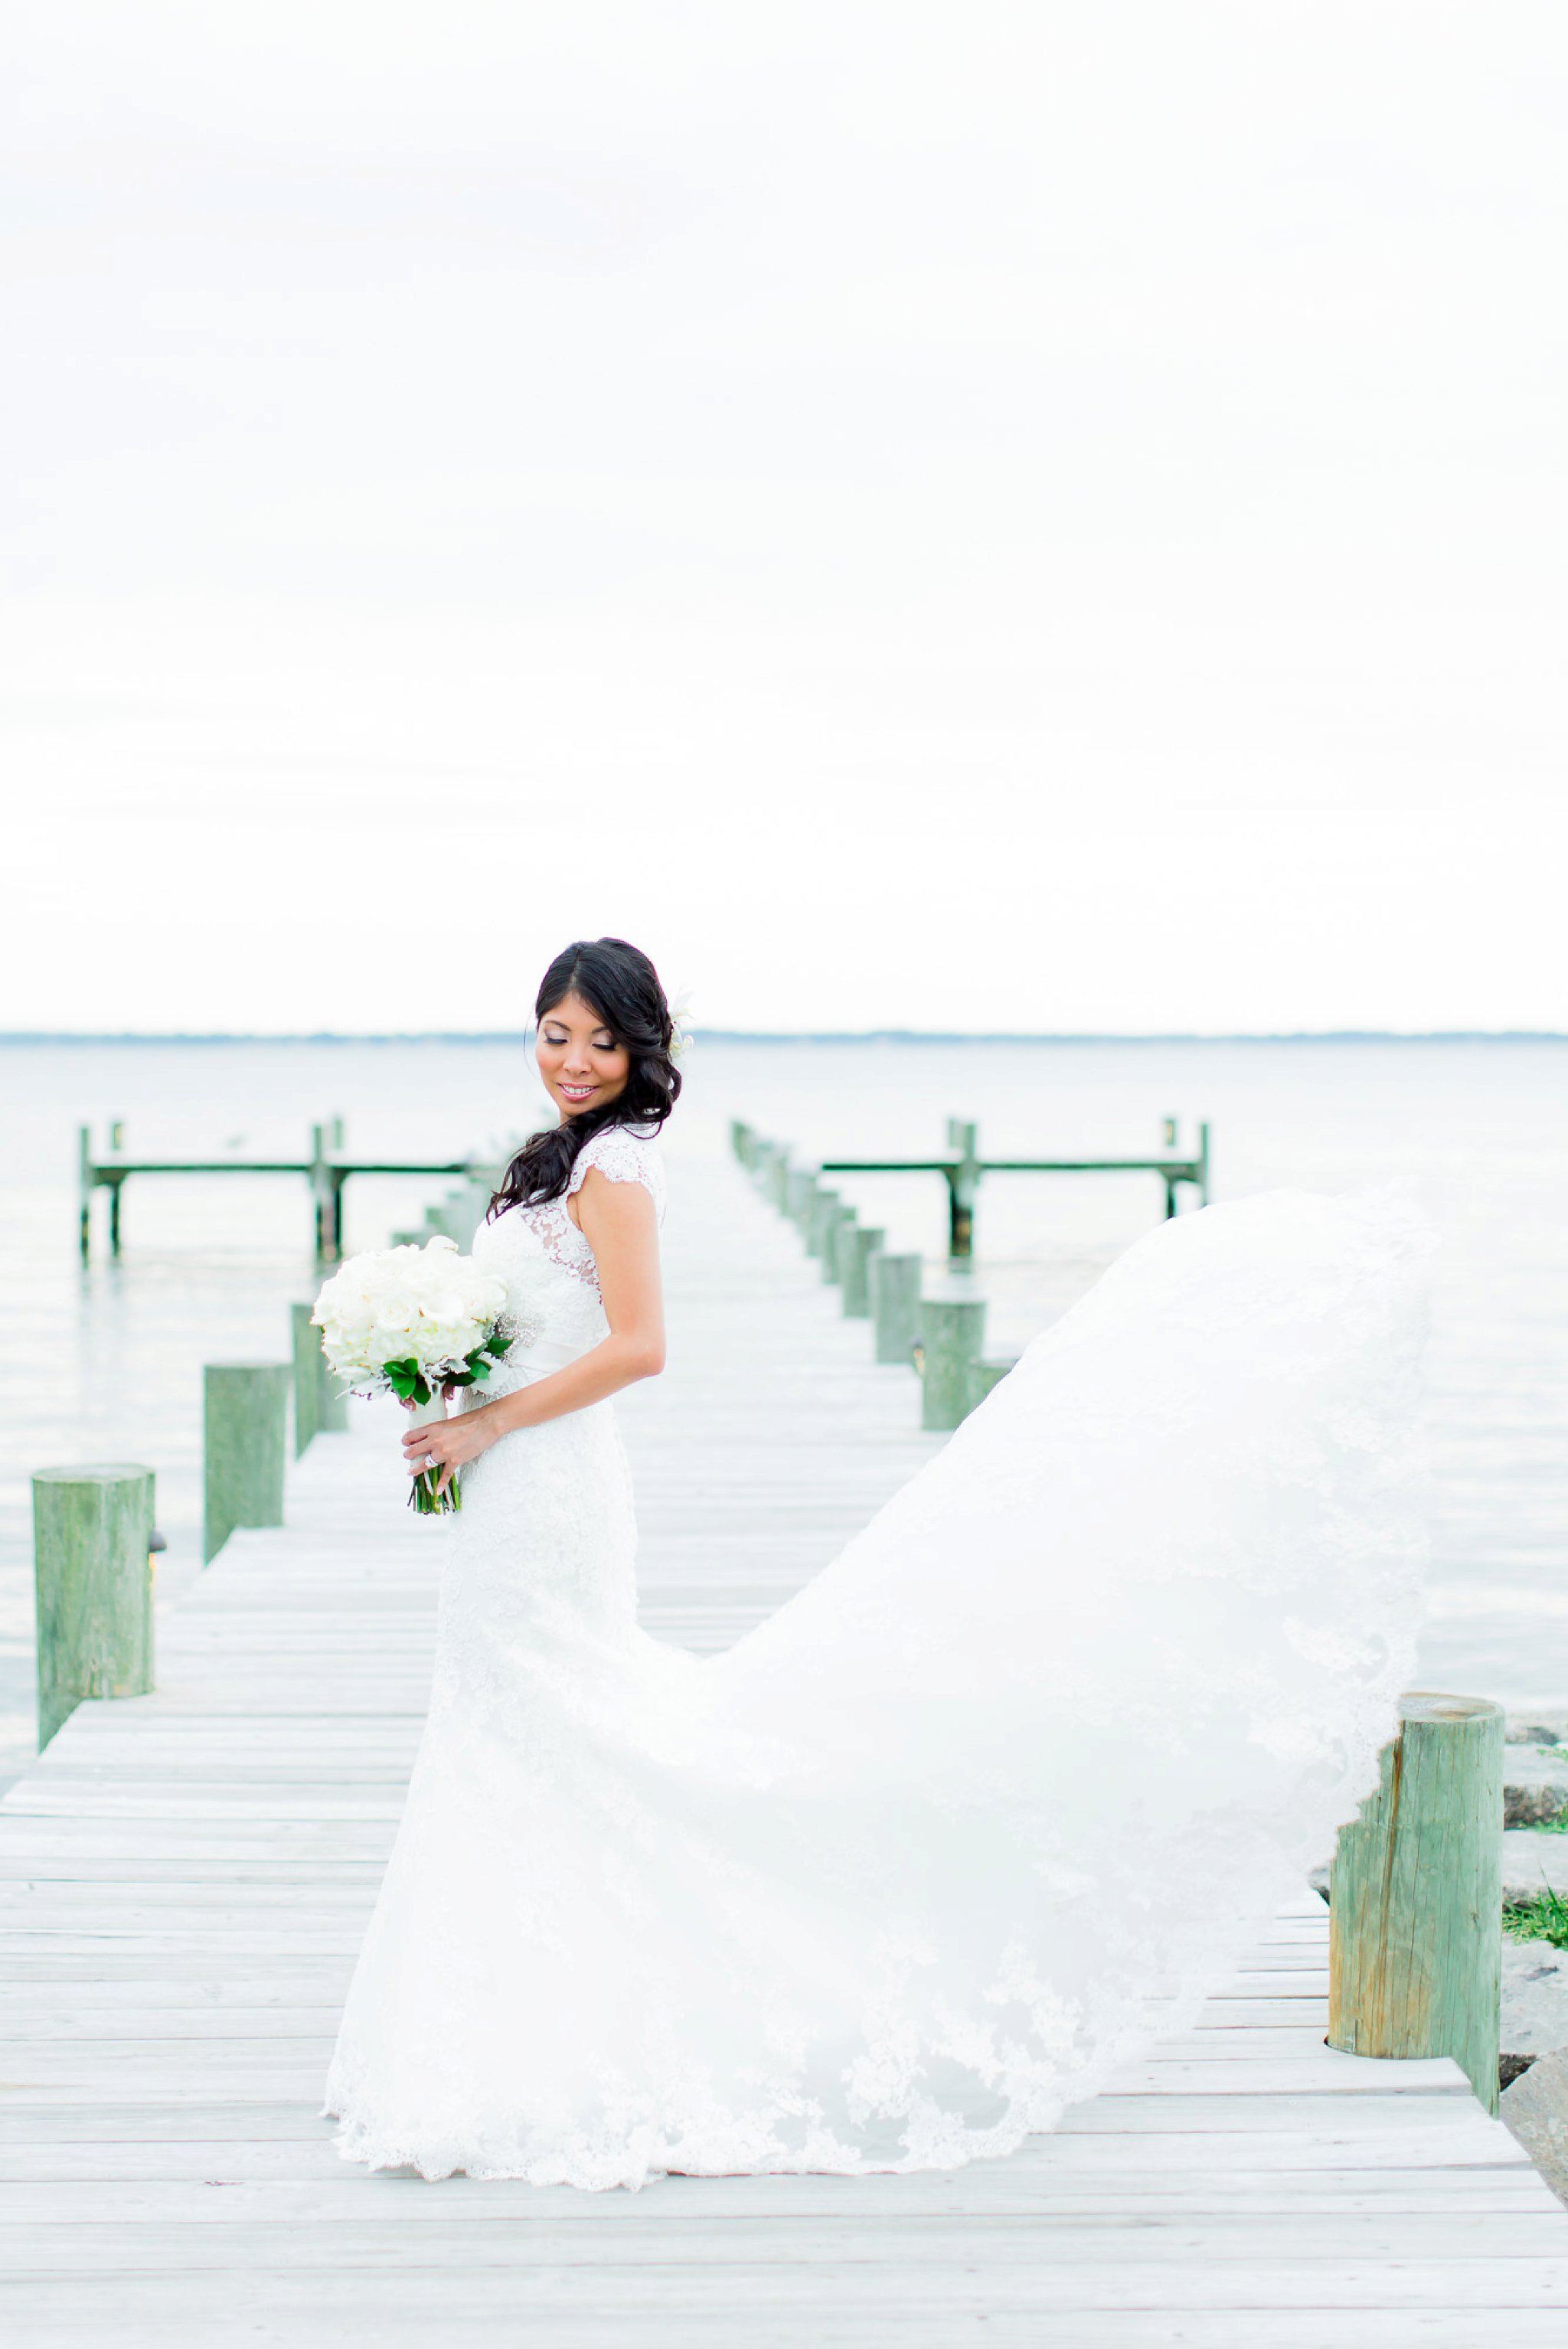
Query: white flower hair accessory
(680, 1023)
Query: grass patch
(1544, 1918)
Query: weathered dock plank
(184, 1878)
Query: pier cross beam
(326, 1172)
(962, 1167)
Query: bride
(928, 1855)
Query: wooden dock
(185, 1879)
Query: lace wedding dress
(928, 1854)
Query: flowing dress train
(928, 1854)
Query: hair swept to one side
(618, 982)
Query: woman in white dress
(925, 1856)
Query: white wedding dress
(929, 1853)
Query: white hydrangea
(428, 1305)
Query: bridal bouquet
(412, 1321)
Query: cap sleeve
(621, 1154)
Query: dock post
(245, 1409)
(837, 1218)
(857, 1246)
(320, 1190)
(1203, 1164)
(1414, 1916)
(306, 1383)
(327, 1182)
(952, 1333)
(85, 1187)
(983, 1377)
(331, 1402)
(822, 1204)
(894, 1286)
(92, 1537)
(802, 1193)
(963, 1187)
(336, 1180)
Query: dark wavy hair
(618, 982)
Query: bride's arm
(621, 1225)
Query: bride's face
(581, 1063)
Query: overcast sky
(1042, 517)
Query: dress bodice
(553, 1306)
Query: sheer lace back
(553, 1309)
(621, 1153)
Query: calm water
(106, 1363)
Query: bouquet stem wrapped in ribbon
(413, 1322)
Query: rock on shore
(1536, 2109)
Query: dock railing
(963, 1166)
(327, 1170)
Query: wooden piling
(820, 1209)
(952, 1333)
(837, 1218)
(307, 1356)
(331, 1402)
(858, 1243)
(983, 1377)
(1416, 1895)
(963, 1185)
(800, 1194)
(894, 1285)
(323, 1197)
(84, 1188)
(245, 1412)
(92, 1536)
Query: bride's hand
(448, 1443)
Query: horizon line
(34, 1036)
